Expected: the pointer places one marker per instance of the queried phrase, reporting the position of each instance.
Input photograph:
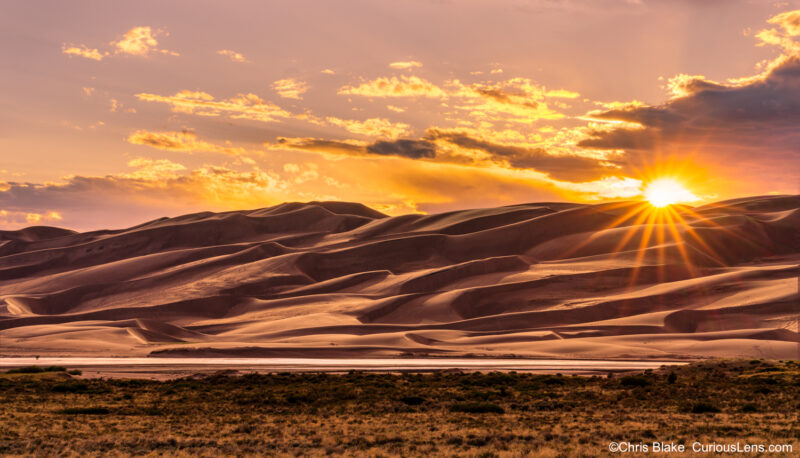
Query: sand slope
(339, 279)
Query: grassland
(364, 414)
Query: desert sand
(336, 279)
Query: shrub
(748, 408)
(74, 372)
(476, 407)
(634, 380)
(412, 400)
(704, 407)
(84, 411)
(36, 369)
(72, 387)
(672, 378)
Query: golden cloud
(373, 127)
(789, 21)
(244, 106)
(139, 41)
(405, 86)
(232, 55)
(404, 65)
(184, 141)
(153, 169)
(519, 99)
(82, 51)
(290, 88)
(9, 218)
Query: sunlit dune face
(666, 191)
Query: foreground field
(363, 414)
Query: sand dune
(340, 279)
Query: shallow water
(343, 363)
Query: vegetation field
(48, 411)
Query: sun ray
(679, 242)
(648, 230)
(637, 207)
(710, 251)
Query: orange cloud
(789, 21)
(232, 55)
(405, 65)
(139, 41)
(373, 127)
(405, 86)
(290, 88)
(82, 51)
(244, 106)
(11, 218)
(517, 99)
(184, 141)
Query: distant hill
(340, 279)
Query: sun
(663, 192)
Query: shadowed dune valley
(337, 279)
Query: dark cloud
(319, 145)
(754, 124)
(755, 112)
(413, 149)
(570, 168)
(561, 167)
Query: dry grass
(362, 414)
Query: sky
(114, 113)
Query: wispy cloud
(290, 88)
(373, 127)
(405, 86)
(243, 106)
(232, 55)
(404, 65)
(82, 51)
(184, 141)
(138, 41)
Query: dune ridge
(340, 279)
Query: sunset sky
(114, 113)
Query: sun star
(667, 191)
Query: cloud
(405, 65)
(559, 167)
(518, 99)
(405, 86)
(459, 148)
(22, 218)
(140, 41)
(319, 145)
(184, 141)
(154, 188)
(751, 124)
(373, 127)
(232, 55)
(153, 169)
(82, 51)
(244, 106)
(413, 149)
(290, 88)
(789, 21)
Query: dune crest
(340, 279)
